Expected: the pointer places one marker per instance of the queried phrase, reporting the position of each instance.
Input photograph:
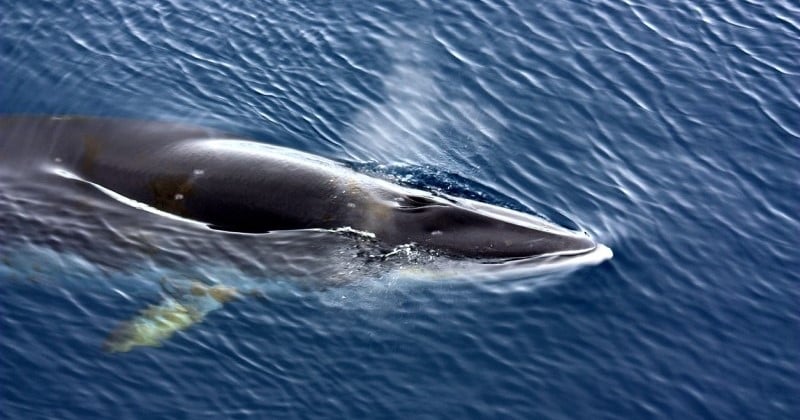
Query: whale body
(236, 185)
(57, 173)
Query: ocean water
(668, 130)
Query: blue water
(669, 130)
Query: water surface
(669, 131)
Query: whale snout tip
(604, 252)
(582, 249)
(577, 243)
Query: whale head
(473, 229)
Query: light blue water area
(668, 130)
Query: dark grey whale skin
(245, 186)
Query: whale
(123, 195)
(240, 185)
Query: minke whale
(246, 186)
(206, 176)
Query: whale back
(192, 172)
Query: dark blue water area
(668, 130)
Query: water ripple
(669, 131)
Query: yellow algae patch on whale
(157, 323)
(170, 193)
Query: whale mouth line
(554, 261)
